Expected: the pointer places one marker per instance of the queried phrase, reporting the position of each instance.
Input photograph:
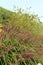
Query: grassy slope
(21, 37)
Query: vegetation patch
(21, 38)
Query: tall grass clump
(19, 38)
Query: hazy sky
(37, 5)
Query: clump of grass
(18, 35)
(13, 48)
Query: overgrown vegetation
(21, 38)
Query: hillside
(31, 23)
(21, 38)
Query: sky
(36, 5)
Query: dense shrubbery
(19, 38)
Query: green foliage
(22, 20)
(20, 34)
